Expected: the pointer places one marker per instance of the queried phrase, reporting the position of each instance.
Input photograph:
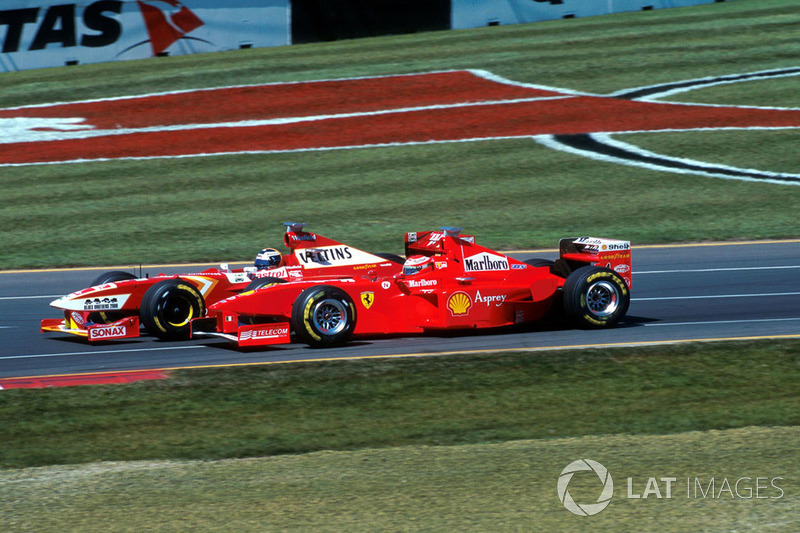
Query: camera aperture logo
(663, 487)
(586, 509)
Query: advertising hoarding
(478, 13)
(51, 33)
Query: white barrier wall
(477, 13)
(50, 33)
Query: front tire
(107, 317)
(111, 277)
(595, 297)
(324, 316)
(169, 306)
(257, 283)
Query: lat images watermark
(586, 509)
(665, 487)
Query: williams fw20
(120, 305)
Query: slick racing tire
(257, 284)
(539, 262)
(169, 306)
(111, 277)
(595, 297)
(394, 258)
(262, 282)
(324, 316)
(107, 317)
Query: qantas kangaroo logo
(167, 21)
(95, 25)
(437, 107)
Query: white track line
(733, 269)
(656, 161)
(705, 323)
(713, 296)
(101, 352)
(41, 297)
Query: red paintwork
(419, 108)
(81, 379)
(311, 256)
(470, 287)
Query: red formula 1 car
(448, 282)
(118, 302)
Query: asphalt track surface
(680, 294)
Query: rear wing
(433, 242)
(609, 253)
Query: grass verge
(286, 409)
(509, 486)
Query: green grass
(370, 198)
(738, 149)
(445, 443)
(485, 487)
(776, 92)
(279, 409)
(511, 194)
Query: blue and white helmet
(268, 258)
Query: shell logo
(459, 303)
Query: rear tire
(169, 306)
(539, 263)
(324, 316)
(595, 297)
(394, 258)
(262, 282)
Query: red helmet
(417, 264)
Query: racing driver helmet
(268, 258)
(417, 264)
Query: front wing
(245, 335)
(125, 328)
